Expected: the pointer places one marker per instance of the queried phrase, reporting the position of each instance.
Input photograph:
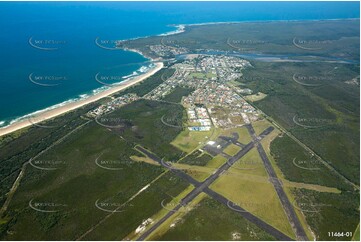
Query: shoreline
(180, 28)
(52, 113)
(264, 21)
(23, 121)
(70, 105)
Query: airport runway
(286, 204)
(203, 187)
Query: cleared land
(209, 216)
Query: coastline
(72, 104)
(180, 28)
(264, 21)
(52, 113)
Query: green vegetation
(177, 94)
(231, 149)
(142, 207)
(16, 149)
(189, 140)
(256, 195)
(260, 125)
(164, 227)
(200, 173)
(335, 117)
(201, 75)
(211, 220)
(255, 97)
(337, 38)
(242, 132)
(196, 158)
(251, 163)
(298, 165)
(334, 102)
(356, 236)
(142, 124)
(80, 175)
(329, 212)
(98, 164)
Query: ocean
(49, 55)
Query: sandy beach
(77, 104)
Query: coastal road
(286, 204)
(203, 187)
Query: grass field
(187, 140)
(255, 97)
(251, 163)
(201, 75)
(231, 149)
(258, 198)
(260, 125)
(213, 221)
(200, 173)
(196, 158)
(242, 132)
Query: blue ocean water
(71, 28)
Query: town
(213, 101)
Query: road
(286, 204)
(203, 187)
(289, 134)
(325, 163)
(22, 170)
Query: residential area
(208, 76)
(212, 101)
